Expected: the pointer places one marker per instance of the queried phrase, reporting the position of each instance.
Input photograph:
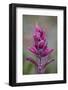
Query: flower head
(40, 43)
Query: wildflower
(40, 49)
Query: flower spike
(40, 49)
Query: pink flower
(40, 43)
(40, 47)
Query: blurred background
(49, 24)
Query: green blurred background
(29, 22)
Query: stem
(40, 60)
(40, 67)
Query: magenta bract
(40, 43)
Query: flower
(40, 43)
(40, 49)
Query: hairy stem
(39, 66)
